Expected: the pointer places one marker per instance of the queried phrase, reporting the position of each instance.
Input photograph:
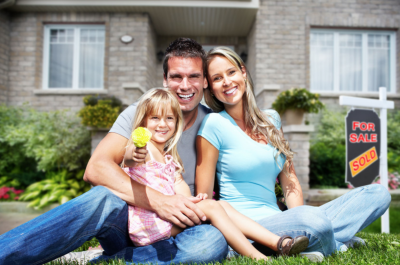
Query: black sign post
(363, 146)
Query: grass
(380, 249)
(394, 223)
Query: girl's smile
(162, 125)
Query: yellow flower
(141, 136)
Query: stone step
(22, 207)
(317, 197)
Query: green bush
(33, 143)
(393, 132)
(327, 165)
(298, 99)
(54, 139)
(100, 112)
(58, 187)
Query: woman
(246, 149)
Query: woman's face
(226, 80)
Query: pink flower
(3, 191)
(16, 198)
(18, 191)
(6, 196)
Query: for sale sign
(363, 128)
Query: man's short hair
(186, 48)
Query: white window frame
(75, 69)
(336, 81)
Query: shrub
(33, 143)
(100, 112)
(54, 140)
(297, 98)
(58, 187)
(327, 165)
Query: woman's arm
(207, 158)
(291, 188)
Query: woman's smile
(226, 80)
(230, 91)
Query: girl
(160, 166)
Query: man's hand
(180, 210)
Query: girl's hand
(139, 154)
(134, 156)
(202, 196)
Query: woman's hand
(202, 196)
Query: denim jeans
(333, 223)
(101, 214)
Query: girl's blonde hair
(150, 103)
(255, 119)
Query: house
(54, 52)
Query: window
(352, 60)
(73, 57)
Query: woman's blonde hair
(254, 119)
(151, 103)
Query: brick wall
(124, 63)
(280, 36)
(129, 63)
(4, 55)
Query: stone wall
(280, 39)
(298, 137)
(4, 54)
(124, 63)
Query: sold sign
(363, 161)
(362, 146)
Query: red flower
(6, 196)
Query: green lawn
(380, 248)
(394, 223)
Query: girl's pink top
(145, 227)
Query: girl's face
(161, 125)
(226, 80)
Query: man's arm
(103, 169)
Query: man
(103, 211)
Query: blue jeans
(333, 223)
(101, 214)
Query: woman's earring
(212, 94)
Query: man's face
(186, 81)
